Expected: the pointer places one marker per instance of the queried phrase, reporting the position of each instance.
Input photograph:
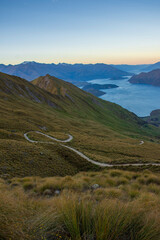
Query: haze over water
(138, 98)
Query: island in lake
(96, 89)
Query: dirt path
(55, 139)
(141, 143)
(70, 138)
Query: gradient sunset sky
(73, 31)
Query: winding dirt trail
(70, 138)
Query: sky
(74, 31)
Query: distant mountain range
(75, 73)
(67, 72)
(132, 68)
(152, 78)
(138, 68)
(152, 67)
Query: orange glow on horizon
(89, 60)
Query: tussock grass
(13, 215)
(129, 211)
(126, 184)
(69, 217)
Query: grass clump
(28, 186)
(86, 220)
(13, 216)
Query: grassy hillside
(103, 131)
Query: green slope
(79, 103)
(103, 131)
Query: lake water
(138, 98)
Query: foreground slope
(121, 205)
(102, 131)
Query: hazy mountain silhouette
(68, 72)
(152, 67)
(132, 68)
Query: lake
(138, 98)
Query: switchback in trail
(70, 138)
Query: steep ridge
(53, 85)
(20, 87)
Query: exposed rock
(95, 186)
(43, 128)
(57, 192)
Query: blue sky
(88, 31)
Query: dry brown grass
(118, 209)
(117, 183)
